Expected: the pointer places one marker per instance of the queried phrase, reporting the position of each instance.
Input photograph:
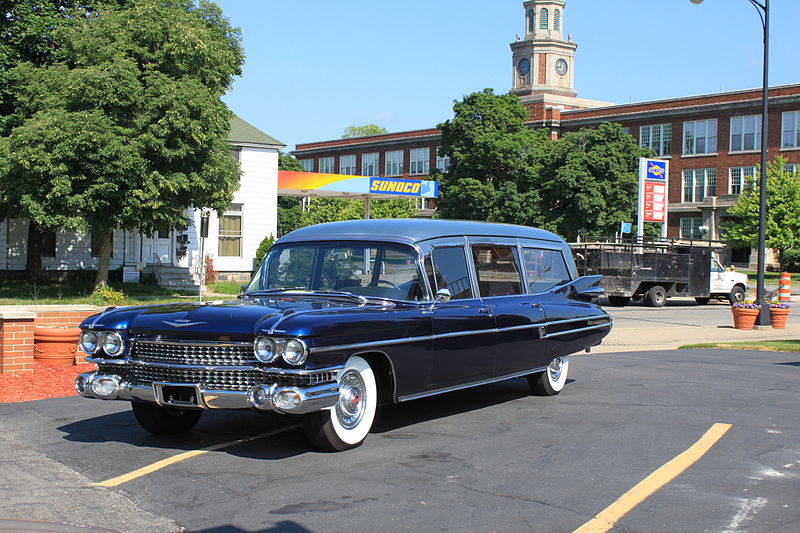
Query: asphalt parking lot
(487, 459)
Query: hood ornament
(182, 323)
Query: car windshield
(379, 270)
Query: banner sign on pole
(653, 193)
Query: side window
(497, 270)
(450, 272)
(545, 269)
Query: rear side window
(497, 269)
(450, 272)
(545, 268)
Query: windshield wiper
(311, 292)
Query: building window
(657, 137)
(745, 133)
(557, 20)
(531, 21)
(230, 232)
(48, 243)
(791, 168)
(699, 183)
(394, 163)
(347, 164)
(739, 179)
(700, 137)
(543, 19)
(369, 164)
(420, 161)
(326, 165)
(236, 153)
(308, 164)
(790, 130)
(442, 161)
(690, 228)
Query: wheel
(346, 424)
(165, 420)
(656, 296)
(619, 300)
(552, 380)
(737, 295)
(702, 301)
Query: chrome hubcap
(555, 368)
(352, 398)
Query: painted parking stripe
(606, 519)
(158, 465)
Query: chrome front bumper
(268, 398)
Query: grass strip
(762, 346)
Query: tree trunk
(104, 258)
(33, 268)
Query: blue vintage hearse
(342, 316)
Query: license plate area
(177, 395)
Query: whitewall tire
(346, 424)
(552, 380)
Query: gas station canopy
(317, 185)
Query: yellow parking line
(158, 465)
(607, 518)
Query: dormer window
(531, 20)
(557, 20)
(544, 17)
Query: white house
(174, 256)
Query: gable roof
(243, 132)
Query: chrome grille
(299, 380)
(194, 353)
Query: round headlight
(294, 352)
(264, 349)
(88, 342)
(104, 387)
(287, 399)
(113, 343)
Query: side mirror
(242, 288)
(443, 296)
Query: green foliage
(324, 210)
(104, 295)
(362, 131)
(782, 228)
(125, 128)
(288, 162)
(263, 248)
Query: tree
(290, 212)
(126, 129)
(332, 209)
(589, 181)
(289, 162)
(493, 161)
(782, 229)
(362, 131)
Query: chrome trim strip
(220, 344)
(585, 318)
(579, 330)
(524, 326)
(265, 370)
(469, 385)
(372, 344)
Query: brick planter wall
(16, 331)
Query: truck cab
(726, 283)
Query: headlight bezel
(291, 350)
(83, 344)
(300, 349)
(118, 340)
(264, 356)
(101, 342)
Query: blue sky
(313, 67)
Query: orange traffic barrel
(785, 287)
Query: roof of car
(412, 230)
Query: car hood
(223, 320)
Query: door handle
(485, 311)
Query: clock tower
(543, 61)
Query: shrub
(104, 295)
(263, 248)
(211, 274)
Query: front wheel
(165, 420)
(552, 380)
(736, 295)
(346, 424)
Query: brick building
(712, 141)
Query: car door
(519, 317)
(718, 281)
(463, 327)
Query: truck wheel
(165, 420)
(702, 301)
(655, 297)
(619, 301)
(737, 295)
(346, 424)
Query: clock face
(561, 67)
(524, 66)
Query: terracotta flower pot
(778, 316)
(744, 318)
(55, 346)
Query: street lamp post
(763, 13)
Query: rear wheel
(703, 300)
(656, 296)
(346, 424)
(736, 295)
(165, 420)
(552, 380)
(619, 300)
